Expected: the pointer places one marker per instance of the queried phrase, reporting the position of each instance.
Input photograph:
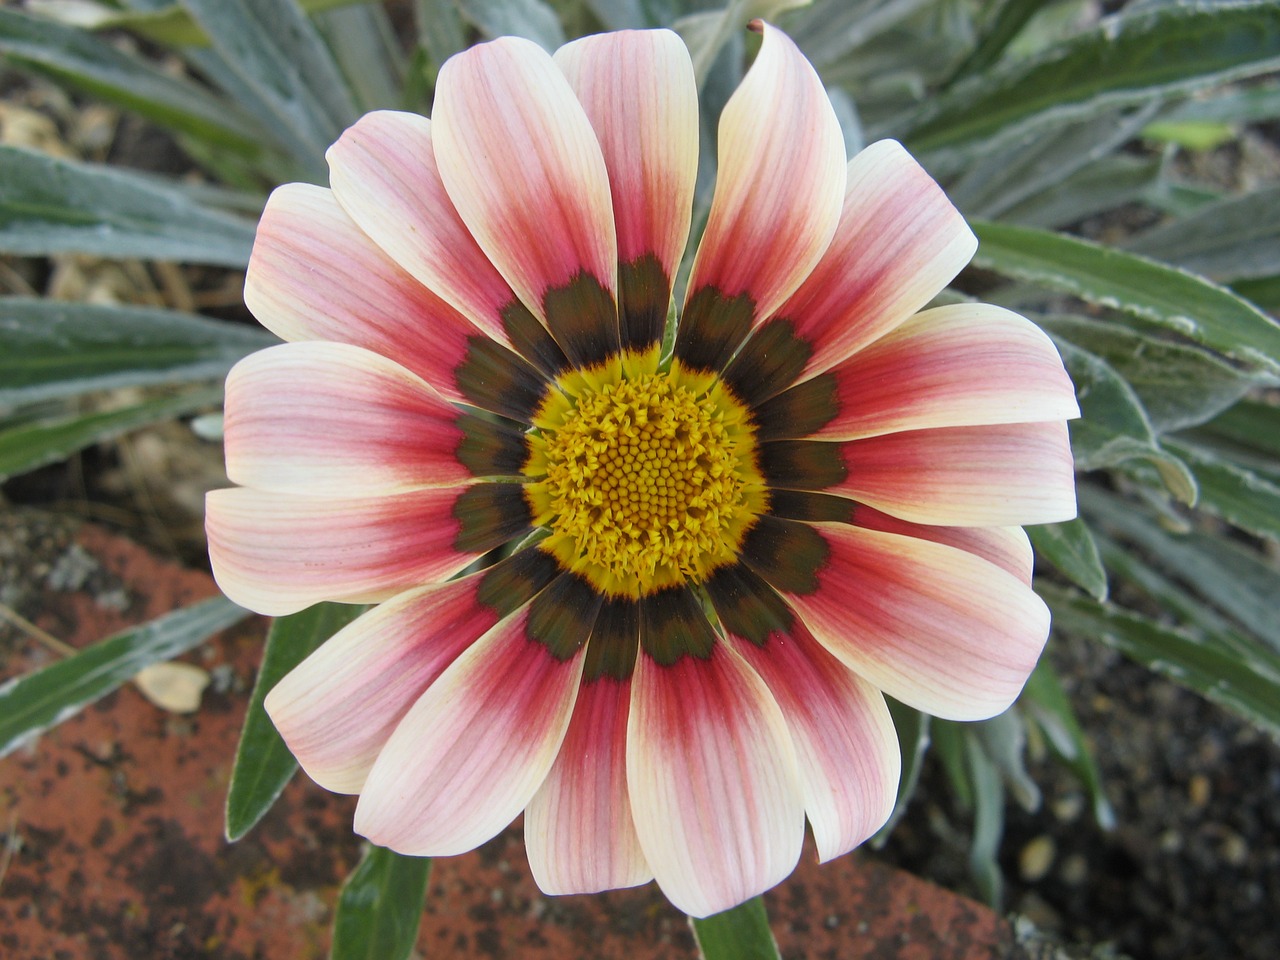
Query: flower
(710, 560)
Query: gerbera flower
(705, 563)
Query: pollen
(645, 479)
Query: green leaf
(1104, 185)
(1191, 134)
(1218, 675)
(60, 206)
(912, 728)
(988, 821)
(27, 445)
(1234, 493)
(1163, 295)
(531, 19)
(1127, 59)
(94, 66)
(441, 32)
(1006, 25)
(281, 59)
(263, 765)
(741, 933)
(50, 349)
(380, 907)
(1070, 548)
(1250, 433)
(33, 703)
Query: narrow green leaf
(278, 54)
(1264, 291)
(60, 206)
(741, 933)
(1127, 59)
(32, 703)
(531, 19)
(263, 765)
(912, 728)
(1007, 24)
(1250, 433)
(1233, 105)
(441, 32)
(380, 907)
(26, 446)
(1172, 653)
(988, 821)
(367, 50)
(1187, 304)
(94, 66)
(50, 349)
(1104, 185)
(1070, 548)
(1234, 493)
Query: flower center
(645, 478)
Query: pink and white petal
(639, 93)
(279, 553)
(1008, 548)
(314, 275)
(779, 184)
(578, 828)
(845, 742)
(331, 420)
(337, 709)
(383, 171)
(935, 627)
(952, 366)
(1017, 473)
(715, 789)
(524, 169)
(899, 243)
(471, 753)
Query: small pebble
(1036, 858)
(1068, 807)
(1075, 870)
(1198, 791)
(1235, 850)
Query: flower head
(706, 556)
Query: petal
(383, 173)
(524, 170)
(777, 200)
(329, 420)
(953, 366)
(314, 275)
(338, 707)
(471, 753)
(935, 627)
(1007, 547)
(279, 553)
(578, 829)
(638, 90)
(1019, 473)
(715, 792)
(899, 242)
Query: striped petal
(953, 366)
(638, 90)
(523, 167)
(329, 420)
(314, 275)
(848, 752)
(383, 173)
(472, 751)
(1007, 547)
(714, 786)
(899, 242)
(578, 829)
(337, 709)
(777, 201)
(1019, 473)
(933, 626)
(279, 553)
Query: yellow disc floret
(645, 478)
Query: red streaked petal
(337, 709)
(279, 553)
(952, 366)
(524, 169)
(714, 787)
(780, 181)
(1019, 473)
(332, 420)
(899, 242)
(314, 275)
(578, 829)
(935, 627)
(473, 750)
(638, 90)
(1007, 547)
(383, 172)
(845, 742)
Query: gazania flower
(703, 557)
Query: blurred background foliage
(1078, 138)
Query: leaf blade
(740, 933)
(380, 907)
